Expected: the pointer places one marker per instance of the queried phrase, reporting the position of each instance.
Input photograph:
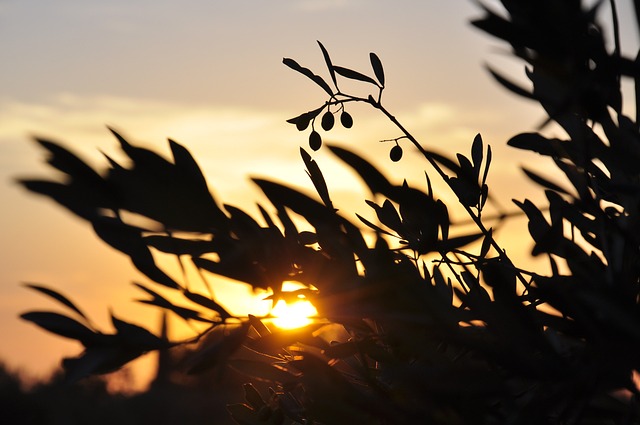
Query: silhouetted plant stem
(474, 217)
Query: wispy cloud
(232, 143)
(325, 5)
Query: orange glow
(293, 315)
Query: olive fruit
(327, 121)
(396, 153)
(315, 141)
(346, 120)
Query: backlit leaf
(307, 72)
(262, 371)
(327, 60)
(354, 75)
(259, 327)
(217, 347)
(60, 325)
(373, 178)
(378, 70)
(253, 397)
(208, 303)
(136, 336)
(57, 296)
(512, 86)
(315, 174)
(543, 181)
(159, 301)
(477, 153)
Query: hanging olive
(315, 141)
(346, 120)
(396, 153)
(327, 121)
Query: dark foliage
(401, 339)
(89, 401)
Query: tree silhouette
(416, 326)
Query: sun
(294, 314)
(292, 308)
(294, 311)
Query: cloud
(326, 5)
(231, 143)
(81, 122)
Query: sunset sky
(210, 75)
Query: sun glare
(293, 315)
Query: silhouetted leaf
(466, 168)
(314, 173)
(443, 160)
(64, 195)
(539, 228)
(512, 86)
(313, 211)
(378, 70)
(179, 246)
(57, 296)
(327, 59)
(97, 360)
(457, 242)
(70, 164)
(61, 325)
(307, 72)
(468, 193)
(442, 285)
(208, 303)
(477, 153)
(160, 301)
(136, 336)
(262, 371)
(253, 397)
(307, 238)
(280, 339)
(538, 143)
(497, 26)
(142, 157)
(486, 171)
(302, 121)
(188, 167)
(543, 181)
(341, 350)
(354, 75)
(388, 216)
(373, 178)
(267, 218)
(242, 223)
(260, 327)
(373, 226)
(486, 243)
(239, 268)
(217, 347)
(128, 239)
